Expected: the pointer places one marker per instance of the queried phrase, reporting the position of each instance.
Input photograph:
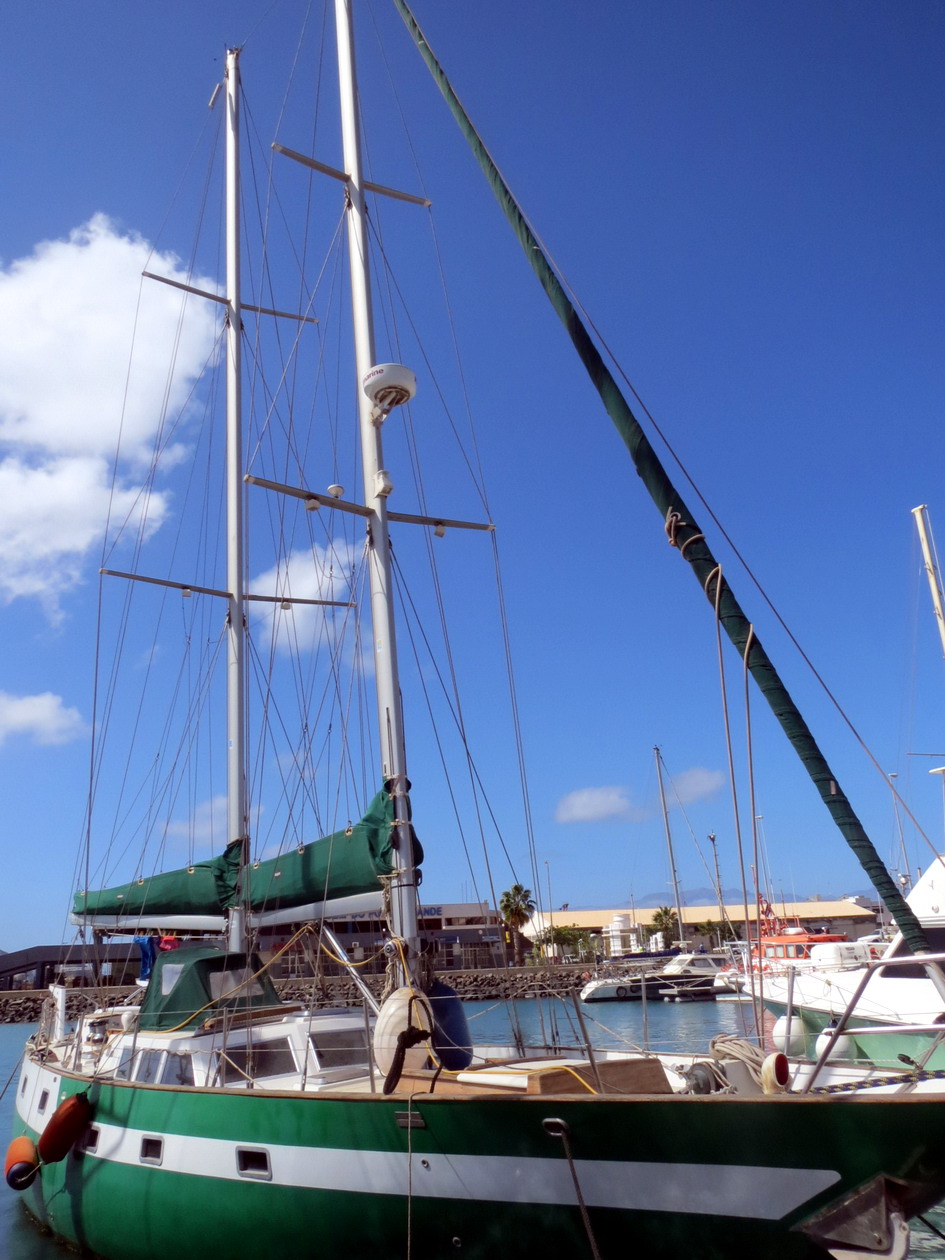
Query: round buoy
(620, 991)
(65, 1125)
(22, 1163)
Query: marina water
(659, 1026)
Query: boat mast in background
(669, 847)
(930, 562)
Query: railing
(930, 964)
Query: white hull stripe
(737, 1190)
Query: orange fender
(22, 1163)
(65, 1125)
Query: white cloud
(44, 717)
(604, 804)
(207, 824)
(596, 805)
(68, 316)
(50, 515)
(308, 573)
(696, 784)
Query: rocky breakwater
(24, 1007)
(472, 986)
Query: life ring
(620, 991)
(65, 1125)
(22, 1163)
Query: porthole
(152, 1150)
(253, 1162)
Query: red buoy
(22, 1163)
(65, 1125)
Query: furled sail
(343, 865)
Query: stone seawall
(23, 1007)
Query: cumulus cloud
(600, 804)
(605, 804)
(44, 718)
(308, 573)
(696, 784)
(68, 316)
(207, 824)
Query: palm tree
(516, 906)
(716, 931)
(710, 930)
(665, 921)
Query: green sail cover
(204, 888)
(341, 865)
(345, 864)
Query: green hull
(679, 1176)
(890, 1050)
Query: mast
(669, 845)
(931, 568)
(377, 486)
(237, 813)
(718, 882)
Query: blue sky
(748, 200)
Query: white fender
(779, 1036)
(404, 1008)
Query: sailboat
(215, 1119)
(882, 1005)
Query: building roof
(807, 911)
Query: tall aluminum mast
(237, 812)
(931, 567)
(669, 847)
(377, 487)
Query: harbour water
(661, 1026)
